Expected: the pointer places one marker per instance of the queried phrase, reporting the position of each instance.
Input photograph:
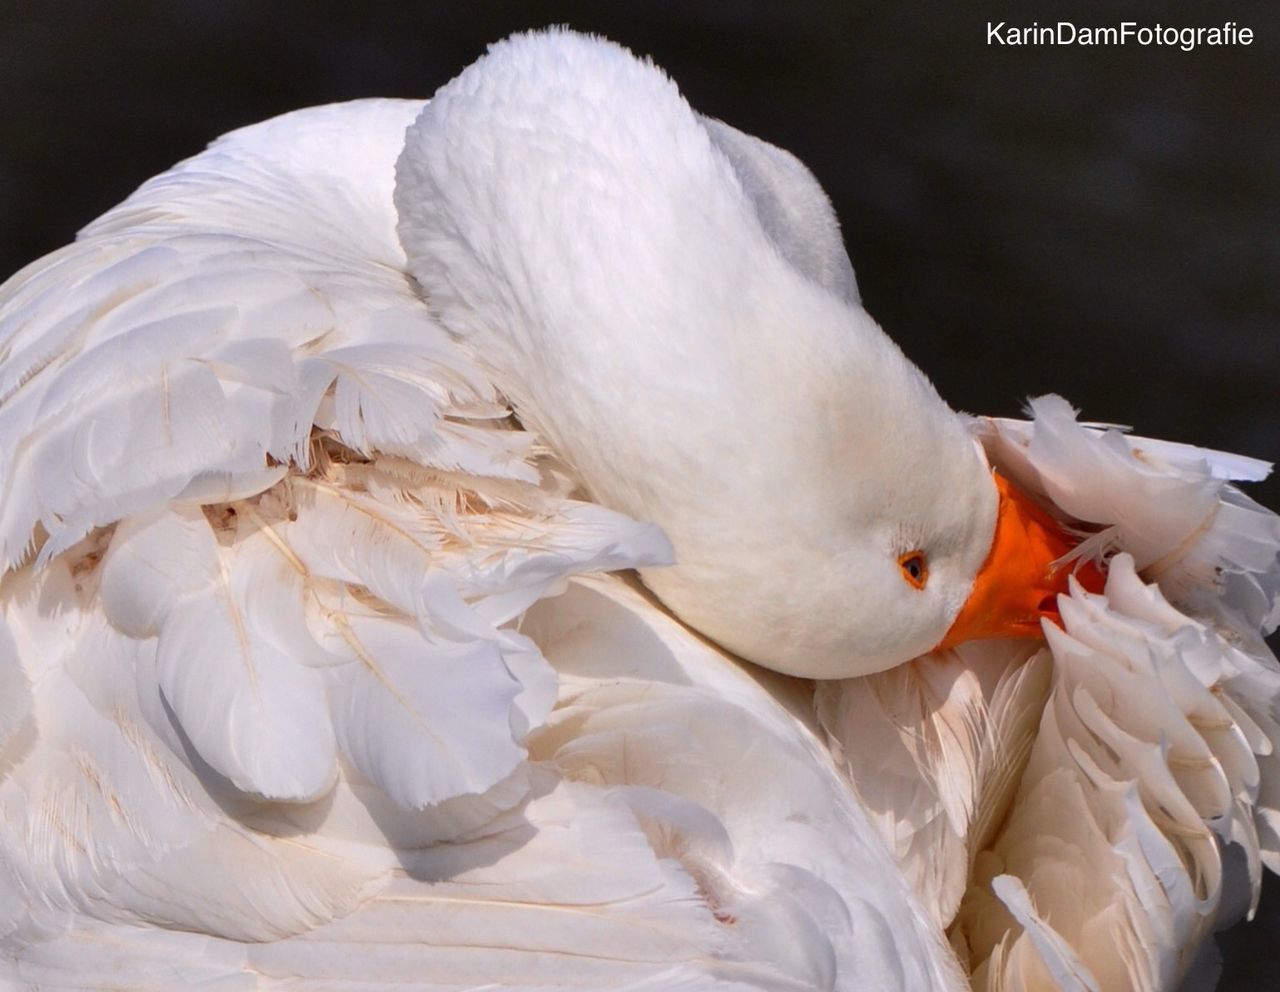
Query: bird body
(313, 455)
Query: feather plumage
(267, 712)
(304, 682)
(1066, 811)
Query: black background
(1102, 223)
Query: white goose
(308, 678)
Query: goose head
(668, 303)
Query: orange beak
(1018, 584)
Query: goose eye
(915, 569)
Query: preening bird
(423, 525)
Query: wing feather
(935, 750)
(1157, 742)
(266, 713)
(231, 651)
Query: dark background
(1103, 223)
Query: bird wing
(792, 207)
(1135, 801)
(274, 708)
(188, 343)
(934, 749)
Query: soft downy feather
(1211, 549)
(270, 692)
(951, 735)
(1134, 751)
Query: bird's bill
(1019, 583)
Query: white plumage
(1128, 754)
(310, 676)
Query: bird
(484, 542)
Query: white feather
(301, 683)
(1212, 550)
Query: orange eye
(915, 569)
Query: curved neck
(571, 220)
(596, 247)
